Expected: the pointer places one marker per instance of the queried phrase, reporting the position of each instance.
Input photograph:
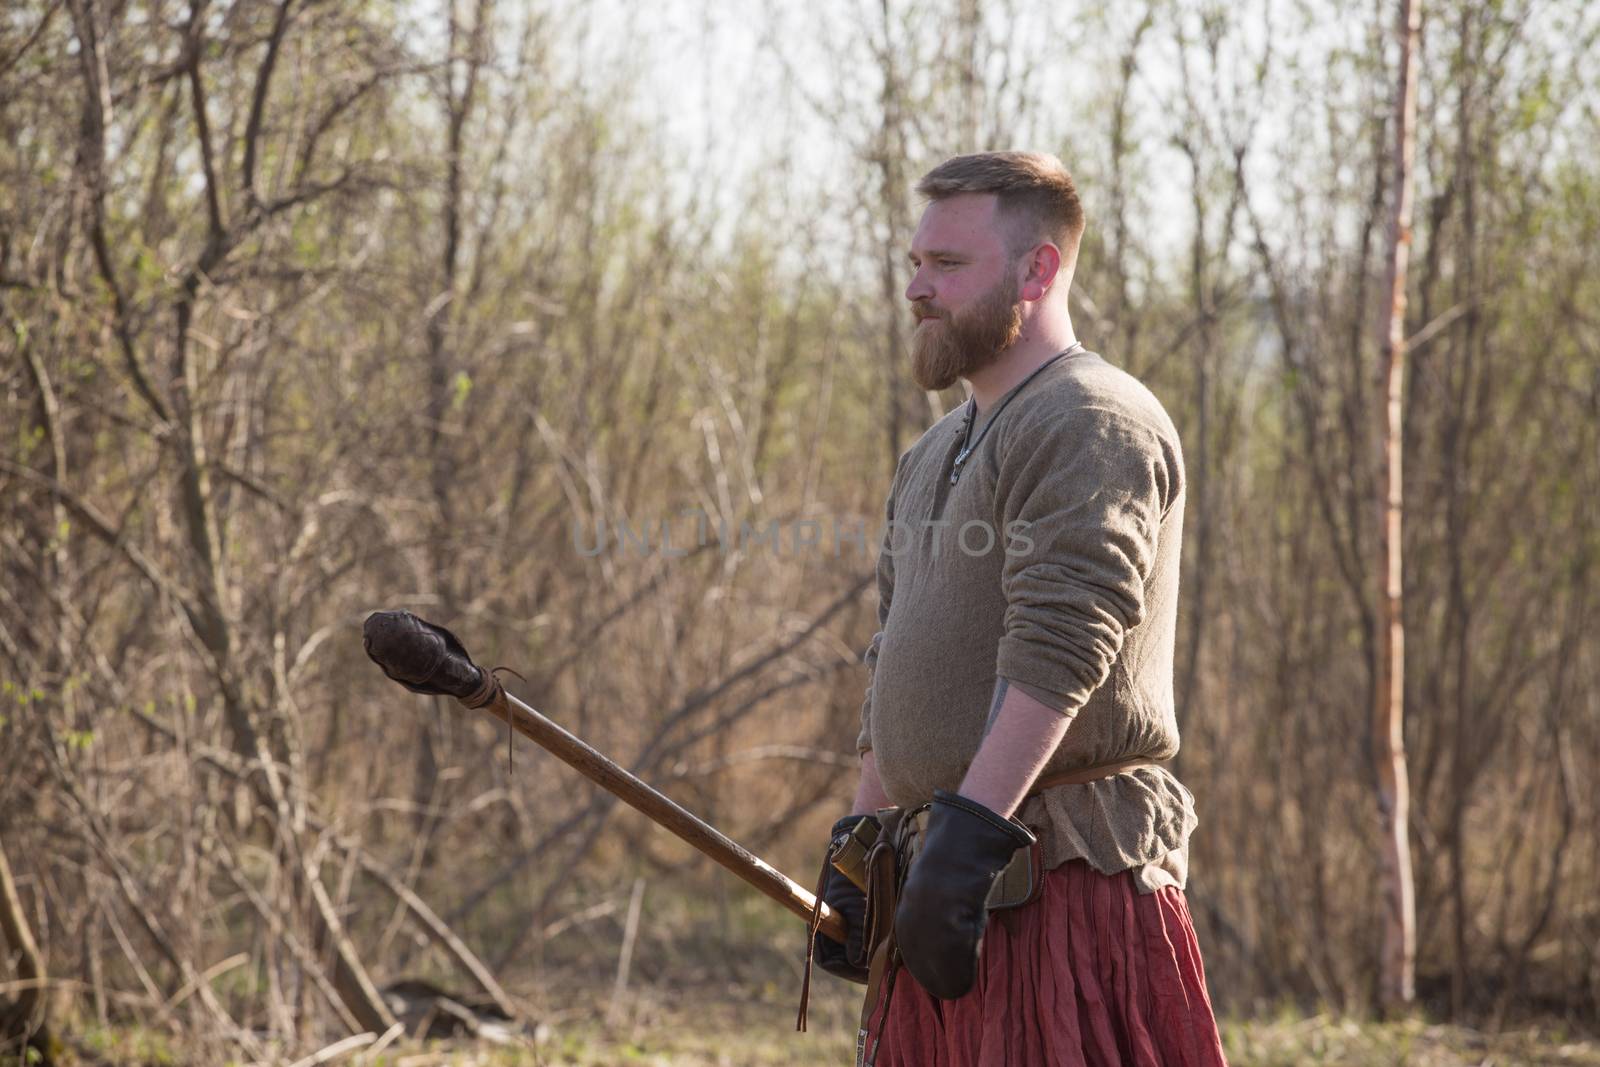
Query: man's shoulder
(1086, 389)
(1092, 420)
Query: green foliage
(1534, 107)
(134, 1045)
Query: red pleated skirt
(1093, 974)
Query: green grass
(130, 1044)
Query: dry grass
(719, 988)
(733, 1027)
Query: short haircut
(1035, 196)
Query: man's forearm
(869, 792)
(1019, 740)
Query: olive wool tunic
(1051, 561)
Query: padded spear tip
(423, 656)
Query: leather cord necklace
(967, 444)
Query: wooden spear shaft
(661, 809)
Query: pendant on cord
(967, 443)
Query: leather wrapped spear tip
(425, 658)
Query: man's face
(963, 295)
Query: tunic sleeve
(1081, 495)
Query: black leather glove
(939, 922)
(848, 960)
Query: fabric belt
(888, 860)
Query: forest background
(309, 308)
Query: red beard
(957, 346)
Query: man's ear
(1044, 262)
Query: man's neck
(1024, 357)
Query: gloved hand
(939, 921)
(849, 960)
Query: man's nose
(919, 289)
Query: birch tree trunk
(1397, 975)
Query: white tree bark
(1397, 975)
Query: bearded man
(1020, 708)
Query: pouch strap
(885, 965)
(883, 888)
(811, 941)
